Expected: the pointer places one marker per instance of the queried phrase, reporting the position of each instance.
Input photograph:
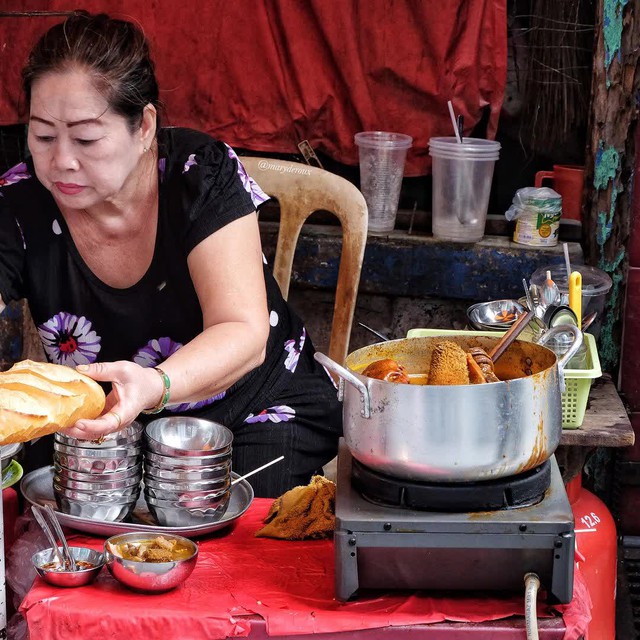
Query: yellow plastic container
(577, 381)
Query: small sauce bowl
(90, 564)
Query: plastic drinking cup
(462, 176)
(382, 157)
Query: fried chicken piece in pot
(448, 364)
(388, 370)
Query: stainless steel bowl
(112, 476)
(186, 463)
(148, 577)
(125, 451)
(184, 501)
(108, 512)
(187, 486)
(130, 435)
(95, 465)
(186, 436)
(170, 514)
(8, 452)
(188, 497)
(200, 473)
(114, 495)
(97, 487)
(495, 314)
(68, 578)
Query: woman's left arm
(227, 272)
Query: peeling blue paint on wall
(608, 348)
(612, 30)
(607, 165)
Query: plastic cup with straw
(565, 248)
(454, 122)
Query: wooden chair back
(300, 190)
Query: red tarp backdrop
(266, 74)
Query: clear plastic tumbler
(462, 176)
(382, 156)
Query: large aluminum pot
(456, 433)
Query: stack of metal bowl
(495, 315)
(187, 470)
(98, 480)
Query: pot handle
(347, 376)
(571, 351)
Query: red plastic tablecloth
(289, 584)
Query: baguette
(38, 398)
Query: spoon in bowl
(50, 537)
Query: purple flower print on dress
(258, 196)
(162, 165)
(69, 340)
(189, 163)
(157, 351)
(15, 174)
(294, 352)
(276, 414)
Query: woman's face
(83, 152)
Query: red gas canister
(597, 550)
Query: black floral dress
(287, 406)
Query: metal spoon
(56, 525)
(50, 537)
(264, 466)
(588, 321)
(375, 333)
(550, 292)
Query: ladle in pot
(514, 331)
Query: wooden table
(606, 424)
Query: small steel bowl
(112, 476)
(148, 577)
(131, 435)
(8, 452)
(203, 503)
(113, 495)
(186, 436)
(68, 578)
(189, 486)
(125, 451)
(188, 497)
(168, 514)
(107, 512)
(199, 473)
(187, 463)
(95, 465)
(495, 313)
(96, 487)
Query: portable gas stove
(398, 534)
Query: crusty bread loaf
(37, 398)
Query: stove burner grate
(518, 491)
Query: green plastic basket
(577, 381)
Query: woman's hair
(114, 52)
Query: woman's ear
(148, 126)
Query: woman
(138, 247)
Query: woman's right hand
(134, 388)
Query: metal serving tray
(37, 488)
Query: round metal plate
(37, 488)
